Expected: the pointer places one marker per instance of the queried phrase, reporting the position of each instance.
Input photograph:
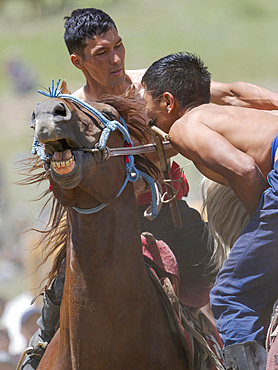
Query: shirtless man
(237, 147)
(101, 59)
(96, 49)
(102, 62)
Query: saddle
(191, 329)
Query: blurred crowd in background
(226, 34)
(17, 325)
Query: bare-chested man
(96, 49)
(237, 147)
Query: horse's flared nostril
(61, 110)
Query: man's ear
(169, 101)
(76, 60)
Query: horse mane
(53, 238)
(130, 107)
(226, 216)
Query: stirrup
(29, 350)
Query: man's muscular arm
(213, 154)
(243, 94)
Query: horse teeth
(62, 163)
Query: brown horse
(111, 315)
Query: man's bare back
(228, 144)
(249, 131)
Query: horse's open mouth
(63, 162)
(62, 159)
(65, 166)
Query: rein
(134, 150)
(132, 173)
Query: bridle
(132, 173)
(107, 152)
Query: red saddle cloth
(160, 253)
(162, 256)
(180, 183)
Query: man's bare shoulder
(211, 114)
(136, 76)
(79, 93)
(211, 109)
(200, 113)
(223, 119)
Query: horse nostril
(60, 110)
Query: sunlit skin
(103, 65)
(230, 145)
(155, 109)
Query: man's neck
(93, 91)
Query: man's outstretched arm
(220, 161)
(243, 94)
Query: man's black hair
(84, 24)
(183, 75)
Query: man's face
(156, 109)
(104, 58)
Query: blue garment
(274, 147)
(247, 285)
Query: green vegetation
(236, 39)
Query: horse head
(65, 128)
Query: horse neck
(110, 311)
(104, 251)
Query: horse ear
(64, 87)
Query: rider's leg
(48, 323)
(246, 287)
